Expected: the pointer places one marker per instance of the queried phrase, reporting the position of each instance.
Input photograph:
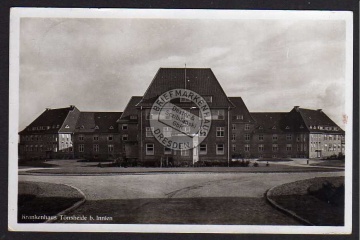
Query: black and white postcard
(181, 121)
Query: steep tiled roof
(317, 118)
(269, 122)
(240, 109)
(199, 80)
(50, 121)
(130, 108)
(100, 122)
(70, 121)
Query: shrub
(200, 164)
(241, 163)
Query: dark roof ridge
(316, 110)
(303, 118)
(64, 108)
(244, 105)
(152, 81)
(128, 105)
(217, 81)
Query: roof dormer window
(111, 127)
(274, 127)
(96, 127)
(67, 126)
(287, 127)
(82, 127)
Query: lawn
(314, 200)
(35, 198)
(37, 163)
(330, 163)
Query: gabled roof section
(199, 80)
(240, 109)
(319, 119)
(69, 123)
(269, 122)
(97, 122)
(50, 121)
(130, 108)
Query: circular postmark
(180, 128)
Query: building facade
(67, 133)
(235, 132)
(51, 135)
(97, 137)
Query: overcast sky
(98, 64)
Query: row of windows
(326, 148)
(261, 148)
(274, 137)
(167, 131)
(324, 128)
(220, 132)
(40, 148)
(96, 127)
(96, 148)
(62, 137)
(220, 149)
(216, 114)
(203, 148)
(43, 127)
(49, 138)
(326, 137)
(40, 138)
(246, 127)
(95, 138)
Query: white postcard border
(18, 13)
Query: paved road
(189, 198)
(188, 185)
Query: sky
(98, 64)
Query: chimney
(319, 110)
(47, 109)
(296, 108)
(72, 107)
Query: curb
(74, 206)
(268, 194)
(164, 172)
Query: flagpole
(185, 76)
